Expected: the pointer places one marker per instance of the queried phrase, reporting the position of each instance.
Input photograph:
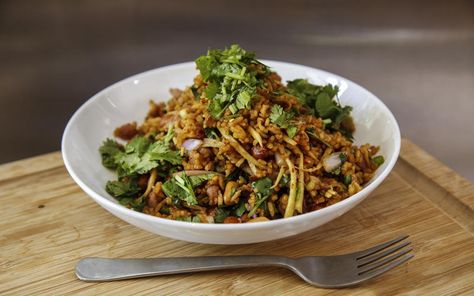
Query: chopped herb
(125, 192)
(169, 135)
(184, 219)
(122, 189)
(125, 201)
(240, 209)
(165, 210)
(379, 160)
(280, 117)
(211, 132)
(347, 179)
(109, 149)
(236, 174)
(263, 191)
(220, 215)
(195, 92)
(320, 100)
(342, 157)
(199, 179)
(231, 78)
(291, 131)
(263, 186)
(140, 155)
(283, 119)
(182, 187)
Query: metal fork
(322, 271)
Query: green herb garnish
(240, 209)
(182, 187)
(263, 191)
(211, 133)
(347, 179)
(231, 78)
(125, 191)
(109, 149)
(220, 215)
(140, 155)
(379, 160)
(320, 101)
(122, 188)
(283, 119)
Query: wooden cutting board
(47, 224)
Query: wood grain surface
(47, 224)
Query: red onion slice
(191, 144)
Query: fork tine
(380, 247)
(380, 263)
(366, 260)
(377, 272)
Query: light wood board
(47, 224)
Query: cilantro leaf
(279, 116)
(161, 151)
(169, 134)
(263, 191)
(211, 90)
(211, 132)
(137, 145)
(205, 64)
(263, 186)
(325, 106)
(291, 130)
(231, 79)
(240, 209)
(320, 101)
(379, 160)
(199, 179)
(304, 91)
(122, 188)
(182, 187)
(109, 149)
(347, 179)
(141, 155)
(220, 215)
(283, 119)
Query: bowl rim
(116, 207)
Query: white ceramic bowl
(127, 101)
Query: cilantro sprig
(139, 156)
(182, 187)
(231, 79)
(283, 119)
(320, 102)
(263, 190)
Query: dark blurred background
(417, 56)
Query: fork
(322, 271)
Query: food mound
(239, 146)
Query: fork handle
(105, 269)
